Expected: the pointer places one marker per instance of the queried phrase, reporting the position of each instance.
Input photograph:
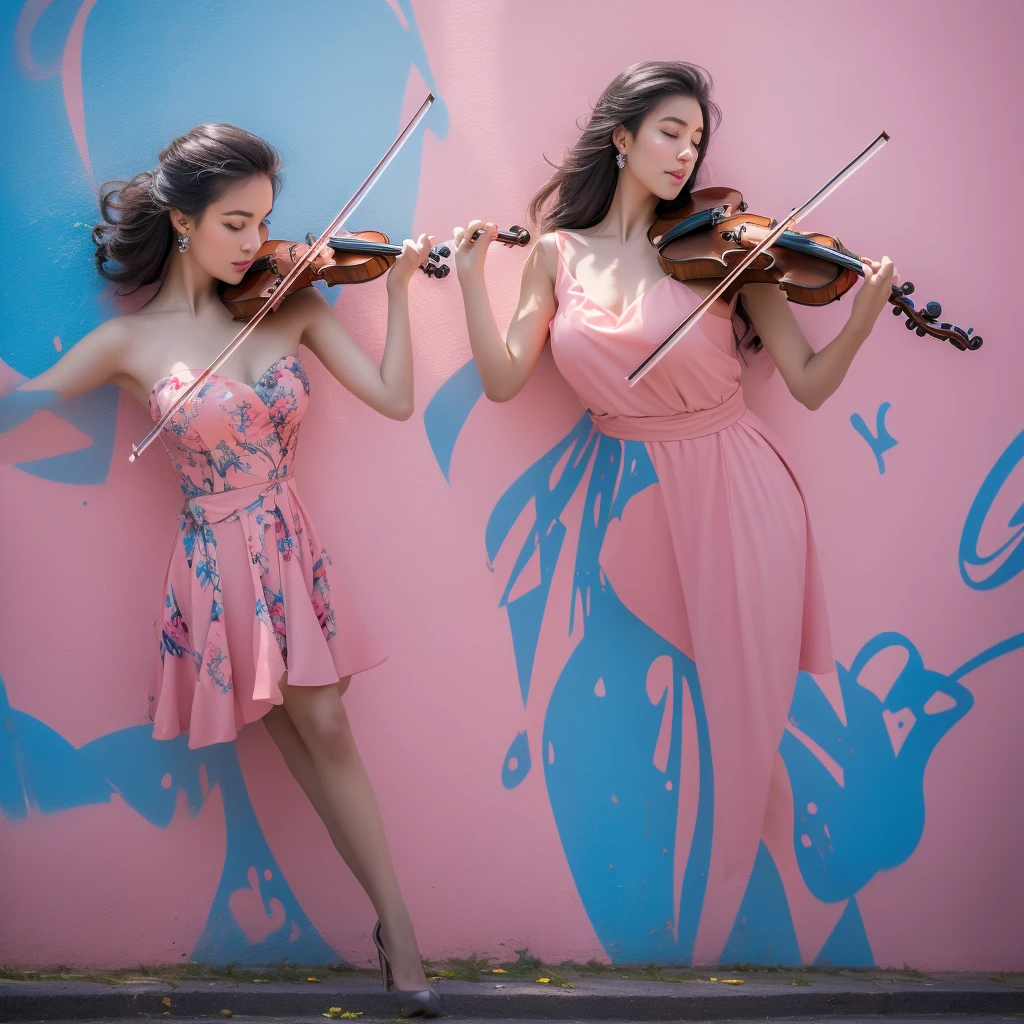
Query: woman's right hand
(469, 254)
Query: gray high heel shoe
(412, 1002)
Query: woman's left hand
(874, 293)
(414, 255)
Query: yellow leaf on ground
(311, 978)
(568, 984)
(166, 1000)
(543, 981)
(732, 981)
(226, 1013)
(351, 1014)
(713, 979)
(498, 970)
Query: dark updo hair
(584, 185)
(195, 170)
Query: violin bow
(275, 299)
(770, 239)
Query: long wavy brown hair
(579, 193)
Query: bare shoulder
(113, 336)
(545, 254)
(305, 317)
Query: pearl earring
(620, 160)
(183, 241)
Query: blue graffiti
(517, 762)
(526, 612)
(763, 932)
(448, 411)
(136, 99)
(616, 811)
(615, 808)
(845, 832)
(1004, 568)
(879, 442)
(40, 770)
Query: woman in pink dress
(730, 515)
(256, 622)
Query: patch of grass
(912, 974)
(468, 969)
(284, 972)
(528, 968)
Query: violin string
(770, 239)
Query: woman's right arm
(97, 359)
(505, 364)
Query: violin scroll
(926, 320)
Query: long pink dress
(250, 592)
(749, 606)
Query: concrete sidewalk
(782, 994)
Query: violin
(705, 239)
(314, 253)
(352, 258)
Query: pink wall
(156, 876)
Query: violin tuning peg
(907, 287)
(921, 332)
(444, 270)
(933, 310)
(910, 325)
(444, 252)
(896, 311)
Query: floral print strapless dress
(250, 592)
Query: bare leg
(312, 732)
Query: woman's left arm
(388, 387)
(811, 376)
